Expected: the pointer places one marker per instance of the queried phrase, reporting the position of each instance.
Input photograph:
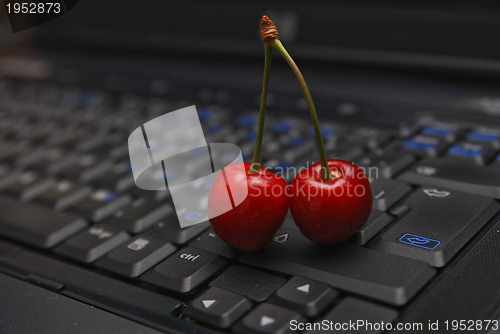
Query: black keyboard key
(7, 176)
(36, 225)
(247, 149)
(385, 165)
(100, 204)
(268, 319)
(286, 125)
(210, 242)
(447, 131)
(347, 267)
(376, 222)
(479, 153)
(31, 158)
(248, 120)
(373, 138)
(168, 229)
(329, 132)
(386, 193)
(161, 196)
(354, 310)
(97, 140)
(92, 244)
(305, 296)
(134, 257)
(140, 215)
(439, 223)
(10, 151)
(117, 178)
(64, 193)
(425, 146)
(57, 160)
(86, 167)
(239, 135)
(216, 132)
(28, 185)
(295, 151)
(344, 152)
(70, 138)
(218, 307)
(280, 168)
(446, 173)
(253, 284)
(119, 152)
(485, 135)
(89, 287)
(185, 270)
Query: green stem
(255, 167)
(326, 173)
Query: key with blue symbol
(283, 126)
(478, 152)
(248, 120)
(448, 132)
(490, 136)
(424, 145)
(437, 225)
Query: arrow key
(218, 307)
(305, 296)
(268, 318)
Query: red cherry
(251, 225)
(330, 212)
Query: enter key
(437, 225)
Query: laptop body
(422, 75)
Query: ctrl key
(185, 270)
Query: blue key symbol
(419, 241)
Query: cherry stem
(255, 166)
(326, 173)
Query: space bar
(382, 276)
(447, 173)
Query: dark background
(350, 31)
(402, 55)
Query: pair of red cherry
(329, 202)
(325, 212)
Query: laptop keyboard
(73, 221)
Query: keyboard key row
(347, 267)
